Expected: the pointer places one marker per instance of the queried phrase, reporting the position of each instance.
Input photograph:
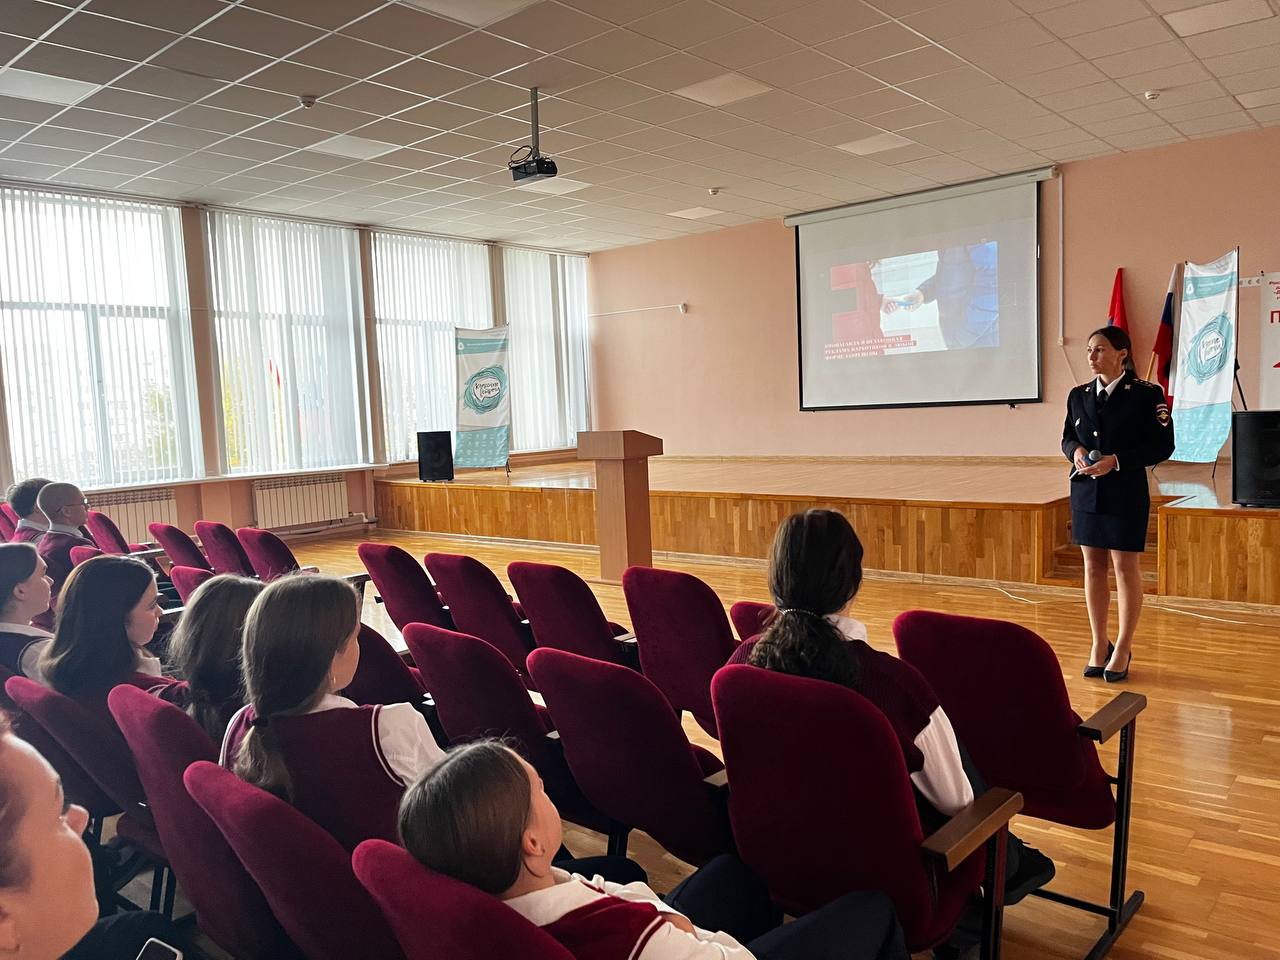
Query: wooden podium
(622, 496)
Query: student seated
(815, 569)
(32, 524)
(482, 816)
(67, 509)
(205, 651)
(343, 765)
(24, 594)
(47, 905)
(107, 614)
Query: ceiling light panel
(357, 148)
(477, 13)
(1215, 16)
(726, 88)
(28, 85)
(695, 213)
(556, 185)
(875, 144)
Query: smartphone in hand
(155, 949)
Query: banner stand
(484, 398)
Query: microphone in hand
(1094, 457)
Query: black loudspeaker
(1255, 457)
(435, 455)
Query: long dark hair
(466, 817)
(1119, 340)
(91, 652)
(205, 649)
(294, 629)
(815, 569)
(17, 564)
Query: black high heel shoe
(1116, 676)
(1092, 672)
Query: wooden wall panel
(1228, 555)
(990, 542)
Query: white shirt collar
(28, 524)
(849, 628)
(64, 528)
(25, 630)
(1110, 387)
(331, 701)
(545, 906)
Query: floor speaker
(435, 455)
(1255, 457)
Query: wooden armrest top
(1117, 714)
(718, 779)
(171, 615)
(973, 826)
(554, 735)
(537, 698)
(150, 553)
(626, 638)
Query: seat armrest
(554, 735)
(150, 553)
(719, 779)
(1119, 713)
(627, 638)
(973, 826)
(311, 570)
(537, 698)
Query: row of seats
(605, 777)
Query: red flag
(1115, 313)
(1162, 349)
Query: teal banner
(484, 398)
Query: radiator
(132, 510)
(300, 501)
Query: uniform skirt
(1111, 531)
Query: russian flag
(1162, 349)
(1115, 313)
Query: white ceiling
(198, 100)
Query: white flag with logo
(1206, 354)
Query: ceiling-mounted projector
(527, 163)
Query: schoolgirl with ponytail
(344, 765)
(815, 569)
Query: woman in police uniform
(1116, 427)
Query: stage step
(1068, 563)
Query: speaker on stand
(1255, 458)
(435, 455)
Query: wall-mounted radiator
(132, 510)
(300, 501)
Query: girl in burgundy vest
(205, 650)
(482, 816)
(815, 569)
(24, 594)
(343, 765)
(108, 612)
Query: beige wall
(722, 379)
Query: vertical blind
(95, 342)
(423, 287)
(546, 303)
(286, 303)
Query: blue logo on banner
(1196, 288)
(485, 389)
(1210, 349)
(1201, 431)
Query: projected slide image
(934, 300)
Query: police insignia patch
(1162, 414)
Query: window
(546, 300)
(95, 345)
(423, 288)
(286, 303)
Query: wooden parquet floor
(1206, 827)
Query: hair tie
(807, 613)
(258, 723)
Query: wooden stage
(1001, 521)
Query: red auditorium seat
(480, 606)
(178, 547)
(750, 618)
(405, 589)
(565, 614)
(186, 580)
(224, 550)
(269, 556)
